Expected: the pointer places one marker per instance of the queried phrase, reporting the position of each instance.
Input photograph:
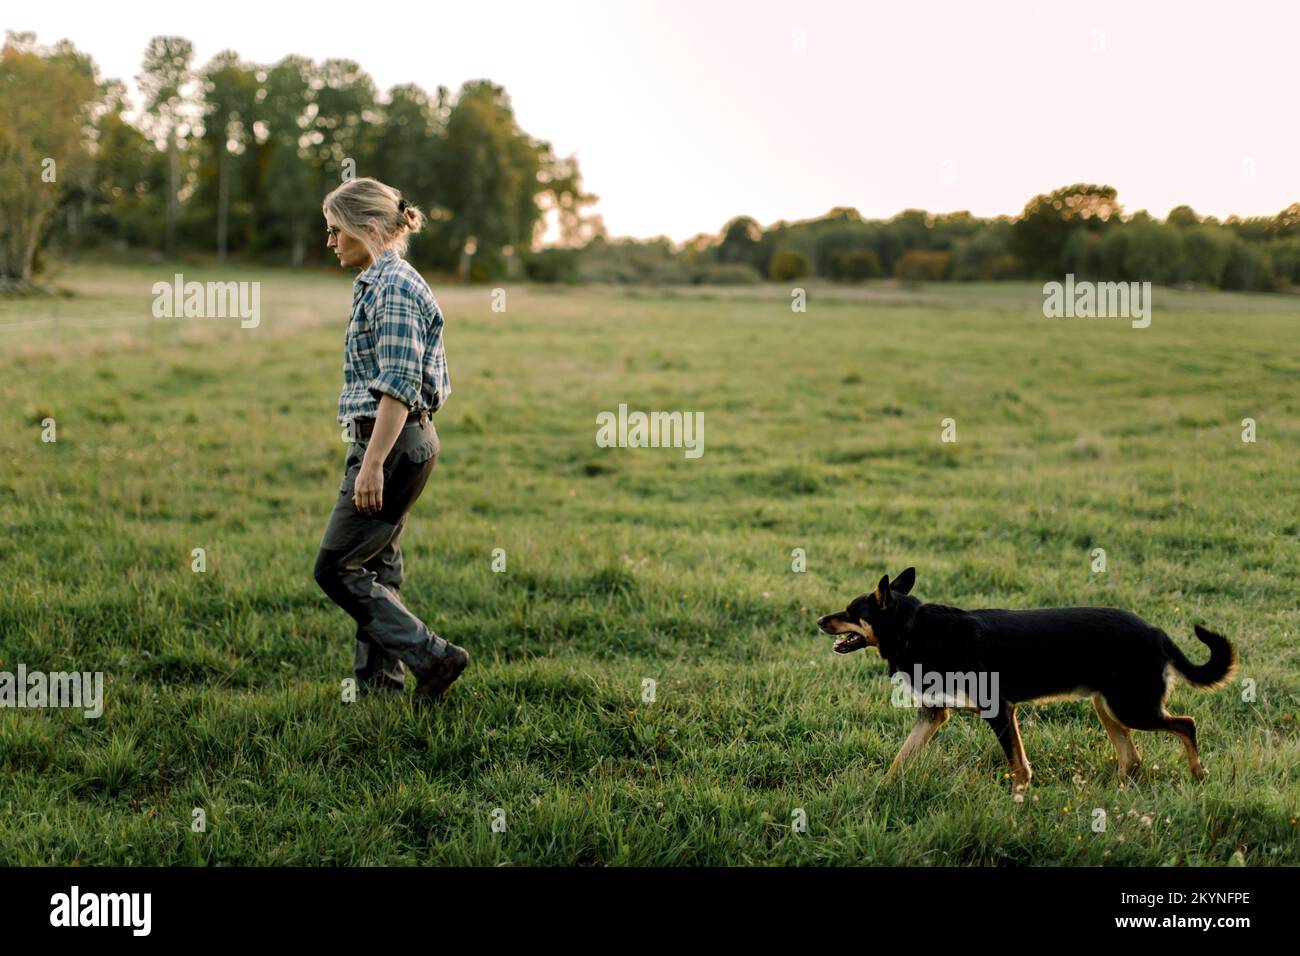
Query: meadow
(623, 565)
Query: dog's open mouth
(849, 643)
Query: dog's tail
(1217, 671)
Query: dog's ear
(903, 583)
(883, 596)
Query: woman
(394, 378)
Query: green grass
(822, 432)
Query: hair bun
(409, 216)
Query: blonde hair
(360, 204)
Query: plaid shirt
(394, 342)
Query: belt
(365, 426)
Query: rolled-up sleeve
(399, 351)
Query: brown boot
(446, 669)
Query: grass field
(822, 432)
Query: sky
(686, 113)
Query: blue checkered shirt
(394, 342)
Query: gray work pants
(359, 564)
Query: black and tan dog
(1124, 663)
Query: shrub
(487, 265)
(1154, 253)
(632, 260)
(832, 242)
(552, 265)
(854, 265)
(1205, 251)
(1007, 266)
(1285, 257)
(977, 258)
(917, 265)
(789, 264)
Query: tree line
(1080, 229)
(233, 159)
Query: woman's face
(350, 250)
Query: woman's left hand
(368, 492)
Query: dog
(1125, 664)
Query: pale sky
(685, 113)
